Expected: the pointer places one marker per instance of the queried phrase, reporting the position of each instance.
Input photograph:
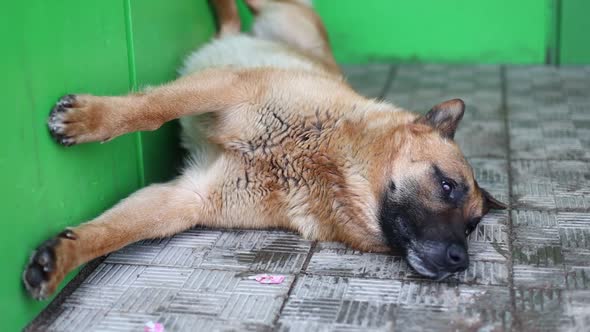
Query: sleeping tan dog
(278, 140)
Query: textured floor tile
(481, 138)
(195, 238)
(252, 308)
(135, 254)
(491, 252)
(164, 277)
(341, 303)
(575, 237)
(535, 276)
(76, 319)
(484, 273)
(577, 278)
(320, 310)
(524, 170)
(309, 326)
(570, 176)
(278, 262)
(532, 186)
(241, 240)
(576, 307)
(433, 306)
(368, 80)
(534, 219)
(358, 314)
(319, 286)
(538, 254)
(286, 242)
(482, 132)
(115, 274)
(212, 281)
(190, 322)
(572, 201)
(574, 257)
(492, 175)
(372, 290)
(534, 196)
(527, 143)
(179, 256)
(124, 321)
(198, 303)
(543, 309)
(94, 296)
(493, 228)
(347, 262)
(145, 299)
(228, 259)
(536, 236)
(424, 320)
(263, 240)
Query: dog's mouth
(426, 267)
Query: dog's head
(432, 201)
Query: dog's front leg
(86, 118)
(155, 211)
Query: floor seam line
(515, 324)
(292, 286)
(388, 82)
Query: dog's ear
(491, 202)
(445, 117)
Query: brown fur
(299, 150)
(228, 21)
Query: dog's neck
(376, 140)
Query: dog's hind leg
(228, 20)
(295, 23)
(155, 211)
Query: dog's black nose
(457, 258)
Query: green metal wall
(459, 31)
(489, 31)
(50, 48)
(574, 32)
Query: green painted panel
(163, 35)
(489, 31)
(53, 48)
(574, 36)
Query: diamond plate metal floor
(526, 131)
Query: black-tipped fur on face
(429, 213)
(434, 242)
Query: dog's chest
(288, 149)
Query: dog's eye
(447, 186)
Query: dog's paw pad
(39, 271)
(66, 101)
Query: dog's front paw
(41, 276)
(75, 119)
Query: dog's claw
(66, 101)
(57, 120)
(68, 234)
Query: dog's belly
(240, 51)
